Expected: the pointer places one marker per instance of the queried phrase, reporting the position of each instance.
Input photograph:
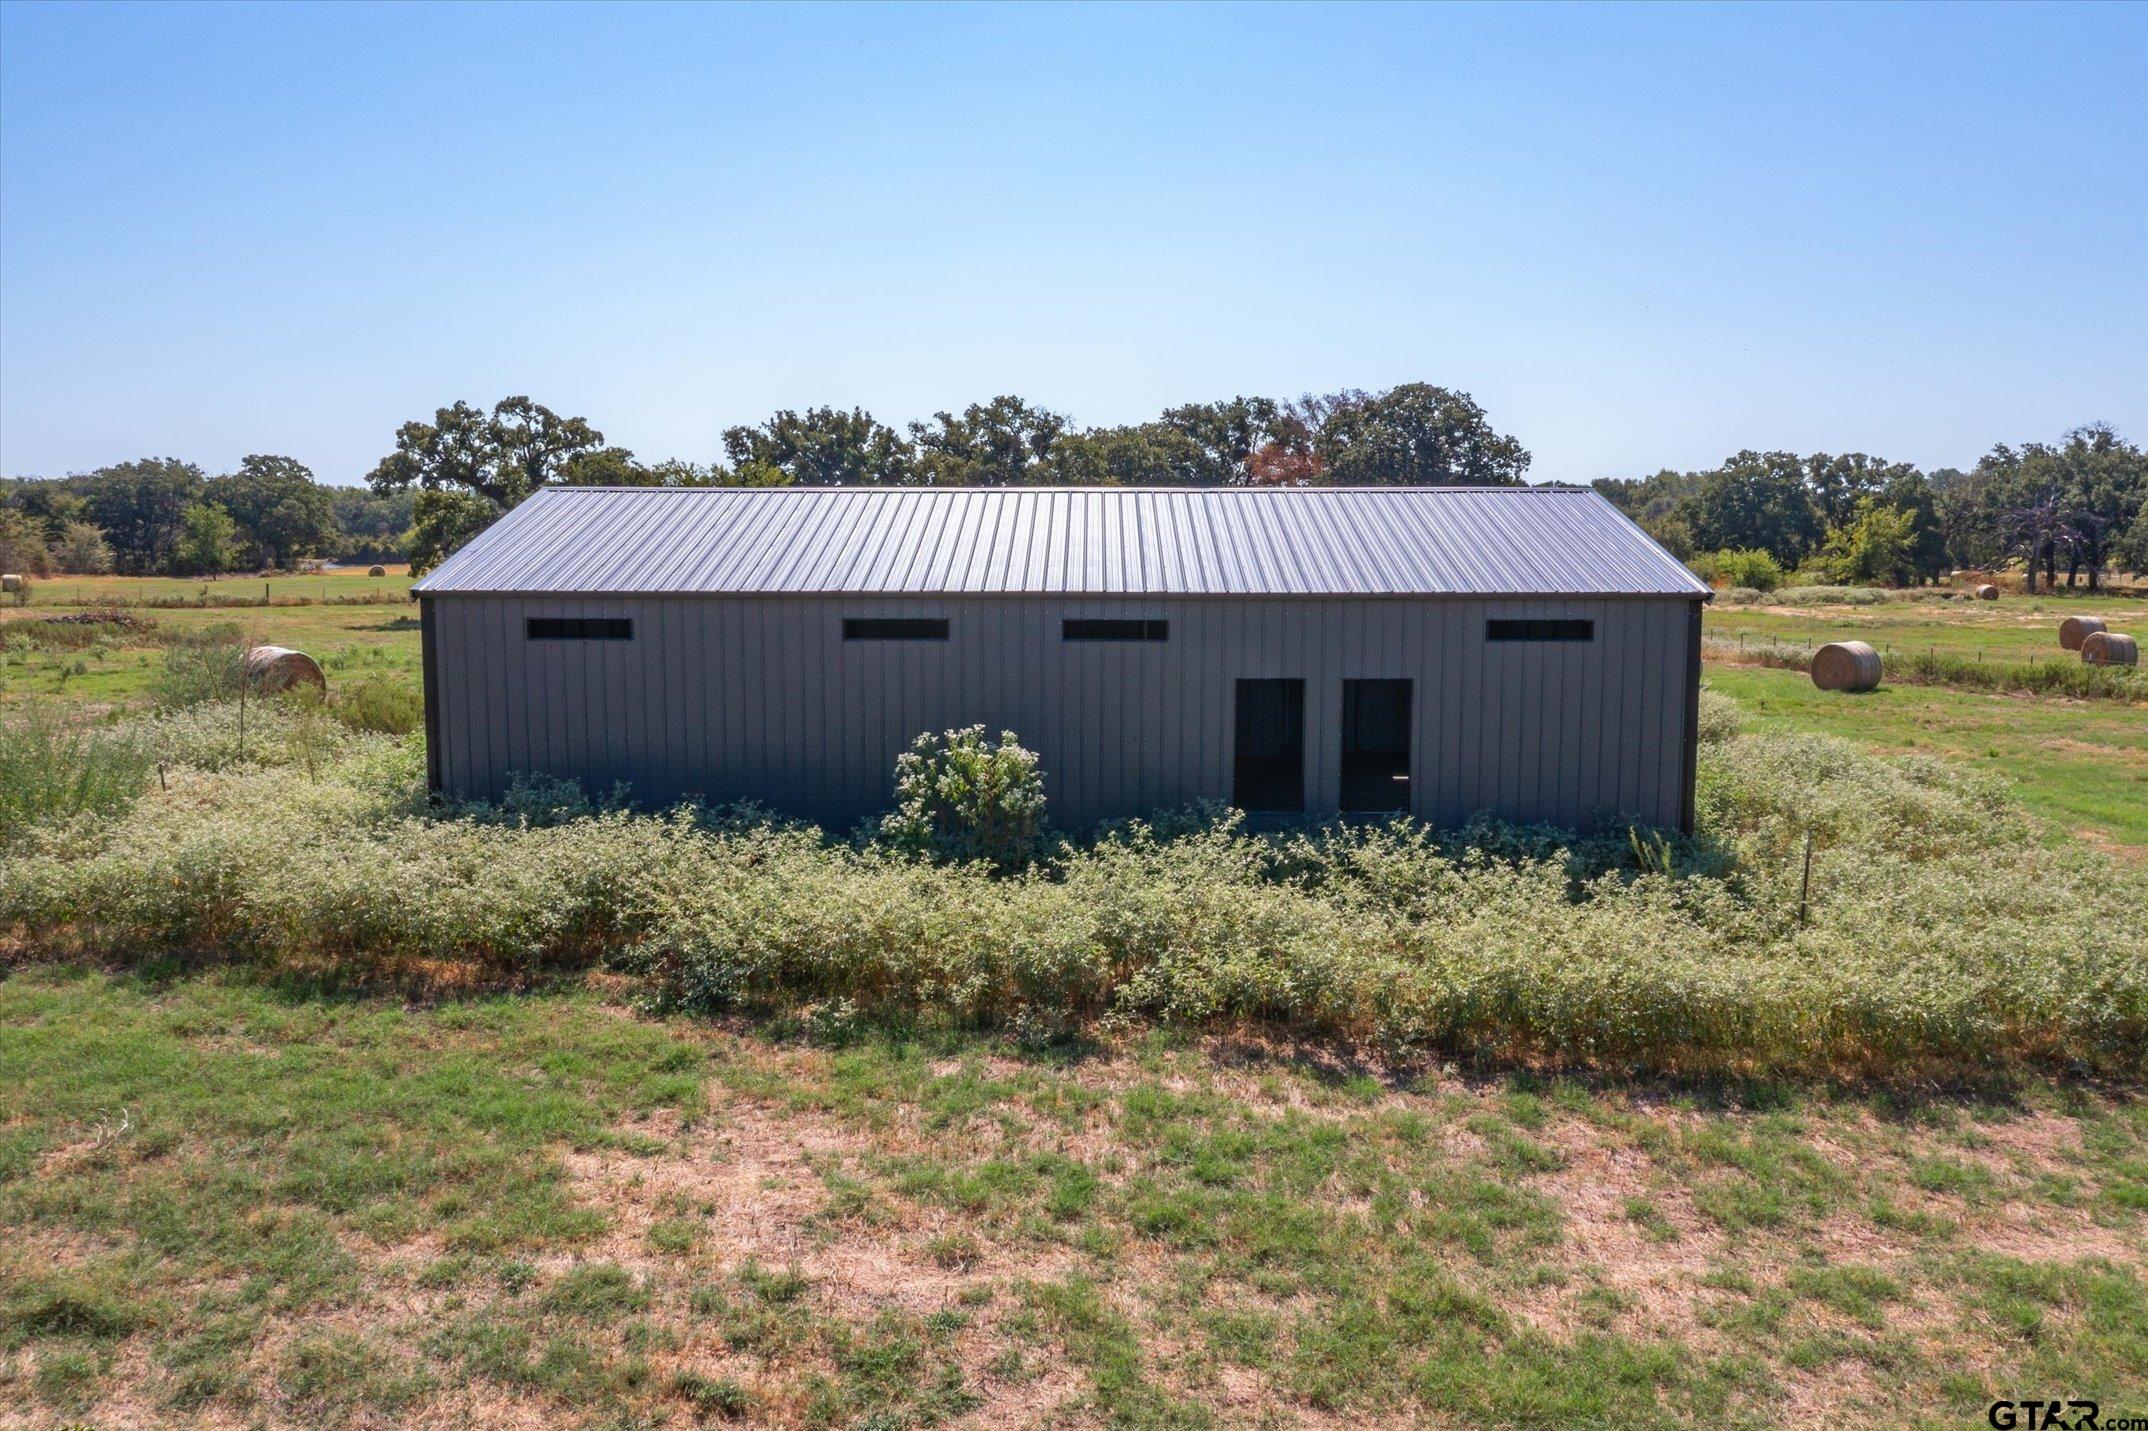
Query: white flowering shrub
(1939, 929)
(959, 797)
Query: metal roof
(1101, 541)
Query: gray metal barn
(1524, 651)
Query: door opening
(1270, 767)
(1376, 745)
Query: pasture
(257, 1204)
(2081, 765)
(320, 1109)
(2014, 628)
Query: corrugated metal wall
(761, 698)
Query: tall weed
(1937, 928)
(53, 768)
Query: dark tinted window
(1115, 630)
(1540, 629)
(894, 628)
(580, 628)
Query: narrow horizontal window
(581, 628)
(894, 628)
(1540, 629)
(1115, 631)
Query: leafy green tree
(1002, 443)
(208, 541)
(2130, 552)
(139, 506)
(56, 504)
(1877, 547)
(1756, 499)
(1911, 492)
(2106, 483)
(1231, 434)
(1150, 455)
(820, 447)
(501, 456)
(22, 544)
(497, 458)
(603, 467)
(1416, 435)
(370, 527)
(442, 520)
(1657, 506)
(282, 512)
(2065, 505)
(672, 472)
(1838, 484)
(1969, 516)
(82, 550)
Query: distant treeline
(163, 516)
(2076, 507)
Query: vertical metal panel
(760, 698)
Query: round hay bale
(1845, 666)
(1987, 592)
(10, 582)
(2110, 648)
(376, 571)
(2076, 629)
(278, 668)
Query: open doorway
(1270, 768)
(1376, 745)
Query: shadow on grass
(1908, 1095)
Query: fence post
(1804, 889)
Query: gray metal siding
(760, 698)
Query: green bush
(961, 797)
(1720, 718)
(204, 665)
(1751, 568)
(379, 706)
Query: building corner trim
(1688, 791)
(429, 665)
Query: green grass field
(229, 1198)
(341, 584)
(349, 641)
(264, 1206)
(2082, 765)
(2014, 628)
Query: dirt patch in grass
(1637, 1234)
(750, 1179)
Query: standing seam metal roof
(1072, 541)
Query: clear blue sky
(1641, 237)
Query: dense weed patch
(1936, 929)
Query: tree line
(164, 516)
(2077, 507)
(467, 466)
